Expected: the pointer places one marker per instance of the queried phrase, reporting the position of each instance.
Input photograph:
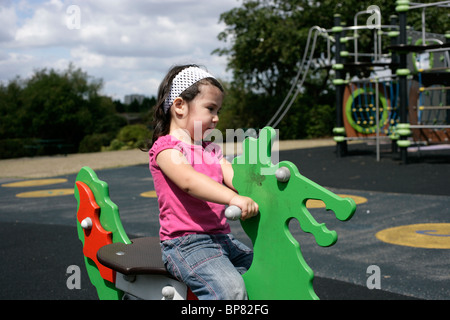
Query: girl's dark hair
(161, 119)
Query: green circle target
(362, 118)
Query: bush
(110, 124)
(321, 121)
(130, 137)
(94, 142)
(30, 147)
(16, 148)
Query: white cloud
(44, 28)
(129, 44)
(86, 59)
(8, 19)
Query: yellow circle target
(426, 235)
(311, 204)
(33, 183)
(45, 193)
(149, 194)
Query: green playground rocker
(121, 268)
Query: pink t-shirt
(181, 214)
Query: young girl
(193, 182)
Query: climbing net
(361, 107)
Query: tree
(53, 106)
(266, 40)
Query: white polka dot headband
(183, 80)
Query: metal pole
(377, 108)
(447, 94)
(341, 146)
(402, 9)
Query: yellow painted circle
(45, 193)
(33, 183)
(426, 235)
(149, 194)
(319, 204)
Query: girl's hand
(249, 207)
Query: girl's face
(203, 112)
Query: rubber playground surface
(401, 226)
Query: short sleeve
(214, 149)
(163, 143)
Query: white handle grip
(233, 213)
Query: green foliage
(56, 110)
(135, 107)
(130, 137)
(267, 39)
(104, 132)
(265, 42)
(321, 121)
(94, 142)
(11, 148)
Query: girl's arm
(228, 173)
(179, 171)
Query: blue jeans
(210, 265)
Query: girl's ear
(179, 106)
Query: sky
(129, 44)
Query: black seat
(142, 256)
